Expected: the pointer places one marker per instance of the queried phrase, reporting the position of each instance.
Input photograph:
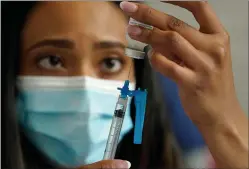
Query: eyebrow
(69, 44)
(60, 43)
(109, 44)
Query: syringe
(116, 126)
(136, 50)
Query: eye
(111, 65)
(50, 62)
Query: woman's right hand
(106, 164)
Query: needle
(129, 71)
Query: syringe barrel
(116, 126)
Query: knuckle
(147, 11)
(202, 3)
(173, 38)
(175, 23)
(113, 166)
(226, 37)
(220, 47)
(172, 72)
(210, 72)
(210, 69)
(198, 6)
(106, 166)
(199, 85)
(148, 35)
(102, 166)
(219, 52)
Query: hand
(106, 164)
(199, 61)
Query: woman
(201, 67)
(199, 61)
(48, 44)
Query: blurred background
(234, 16)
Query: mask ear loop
(20, 106)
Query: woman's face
(76, 39)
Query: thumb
(106, 164)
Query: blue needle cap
(140, 98)
(140, 103)
(124, 91)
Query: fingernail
(129, 164)
(128, 7)
(134, 30)
(150, 53)
(149, 50)
(123, 164)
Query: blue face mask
(68, 118)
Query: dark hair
(158, 149)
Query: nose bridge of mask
(65, 95)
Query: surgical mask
(68, 118)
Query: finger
(181, 75)
(169, 41)
(153, 17)
(105, 164)
(163, 21)
(203, 13)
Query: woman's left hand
(198, 60)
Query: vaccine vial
(137, 23)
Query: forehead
(87, 20)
